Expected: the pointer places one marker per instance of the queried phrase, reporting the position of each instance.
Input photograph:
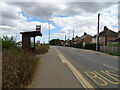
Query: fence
(111, 49)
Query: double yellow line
(79, 76)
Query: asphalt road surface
(92, 69)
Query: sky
(65, 16)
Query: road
(92, 69)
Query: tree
(55, 42)
(7, 42)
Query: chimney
(85, 33)
(105, 28)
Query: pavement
(53, 73)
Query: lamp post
(49, 32)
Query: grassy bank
(42, 48)
(111, 53)
(19, 66)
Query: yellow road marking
(118, 82)
(112, 73)
(79, 76)
(106, 78)
(61, 58)
(95, 77)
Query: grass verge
(18, 68)
(110, 53)
(41, 49)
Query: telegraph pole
(73, 34)
(97, 45)
(73, 38)
(65, 40)
(69, 38)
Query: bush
(67, 45)
(114, 44)
(72, 45)
(80, 45)
(42, 49)
(18, 68)
(7, 42)
(91, 46)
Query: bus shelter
(28, 40)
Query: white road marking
(111, 67)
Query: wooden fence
(111, 49)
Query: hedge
(91, 46)
(80, 45)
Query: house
(62, 42)
(86, 38)
(106, 36)
(67, 42)
(118, 38)
(94, 39)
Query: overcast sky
(66, 16)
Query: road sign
(38, 27)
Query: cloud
(24, 27)
(91, 7)
(10, 15)
(38, 9)
(81, 16)
(13, 20)
(88, 23)
(47, 10)
(31, 26)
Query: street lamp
(49, 32)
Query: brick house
(118, 38)
(106, 36)
(94, 39)
(86, 38)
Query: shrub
(67, 45)
(80, 45)
(18, 68)
(114, 44)
(91, 46)
(72, 45)
(7, 42)
(42, 49)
